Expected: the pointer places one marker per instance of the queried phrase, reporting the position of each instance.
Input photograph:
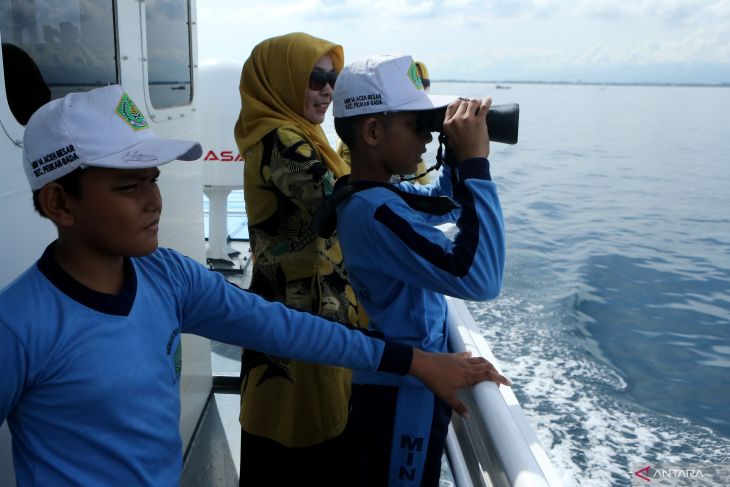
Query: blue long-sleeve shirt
(89, 382)
(401, 265)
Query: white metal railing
(496, 445)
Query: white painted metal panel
(26, 234)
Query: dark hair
(71, 183)
(347, 127)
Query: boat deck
(213, 456)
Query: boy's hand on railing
(446, 373)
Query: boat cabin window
(70, 42)
(169, 66)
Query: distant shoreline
(587, 83)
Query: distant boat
(503, 87)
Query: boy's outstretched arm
(446, 373)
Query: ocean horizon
(725, 84)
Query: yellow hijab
(274, 83)
(423, 68)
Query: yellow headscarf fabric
(423, 68)
(274, 84)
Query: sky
(599, 41)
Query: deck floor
(214, 456)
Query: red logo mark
(225, 156)
(645, 470)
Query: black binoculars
(502, 122)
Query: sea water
(614, 319)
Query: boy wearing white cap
(90, 334)
(399, 263)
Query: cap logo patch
(129, 112)
(413, 76)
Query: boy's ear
(53, 199)
(370, 131)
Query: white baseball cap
(384, 83)
(101, 128)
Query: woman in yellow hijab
(293, 414)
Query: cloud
(664, 11)
(478, 39)
(168, 9)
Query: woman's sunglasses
(319, 78)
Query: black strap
(324, 220)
